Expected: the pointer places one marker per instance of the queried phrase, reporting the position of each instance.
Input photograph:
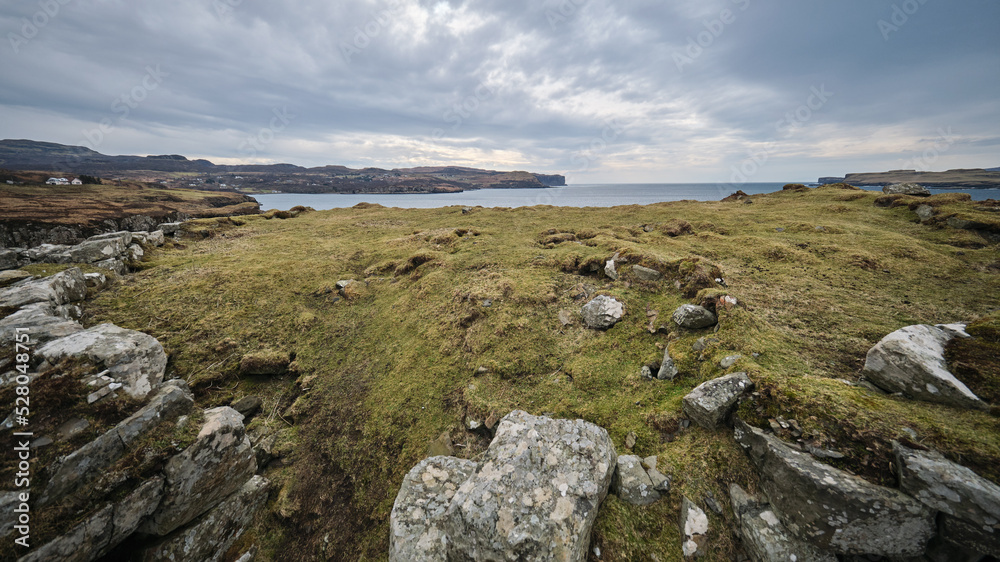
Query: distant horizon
(481, 167)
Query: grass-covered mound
(456, 316)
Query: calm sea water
(589, 195)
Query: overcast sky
(601, 90)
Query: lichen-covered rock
(954, 490)
(208, 538)
(764, 537)
(661, 482)
(969, 537)
(536, 494)
(90, 251)
(694, 317)
(132, 358)
(907, 189)
(602, 312)
(210, 469)
(631, 483)
(64, 287)
(711, 402)
(911, 361)
(831, 509)
(40, 321)
(90, 461)
(694, 530)
(416, 525)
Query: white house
(76, 181)
(58, 181)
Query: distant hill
(174, 170)
(975, 178)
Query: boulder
(91, 251)
(135, 253)
(115, 265)
(208, 538)
(132, 358)
(41, 252)
(955, 491)
(974, 539)
(42, 322)
(8, 259)
(417, 523)
(764, 537)
(609, 270)
(170, 228)
(668, 370)
(145, 238)
(645, 273)
(907, 189)
(9, 277)
(831, 509)
(911, 361)
(86, 464)
(694, 317)
(925, 212)
(216, 465)
(694, 530)
(536, 494)
(631, 483)
(729, 361)
(97, 281)
(602, 312)
(248, 405)
(711, 402)
(64, 287)
(122, 236)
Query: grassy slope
(390, 368)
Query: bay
(583, 195)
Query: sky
(603, 91)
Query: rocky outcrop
(134, 359)
(970, 504)
(764, 537)
(42, 324)
(631, 483)
(97, 535)
(416, 526)
(694, 317)
(711, 402)
(831, 509)
(602, 312)
(213, 467)
(911, 361)
(63, 288)
(89, 462)
(533, 497)
(113, 251)
(557, 472)
(907, 189)
(208, 538)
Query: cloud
(692, 87)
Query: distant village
(63, 181)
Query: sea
(583, 195)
